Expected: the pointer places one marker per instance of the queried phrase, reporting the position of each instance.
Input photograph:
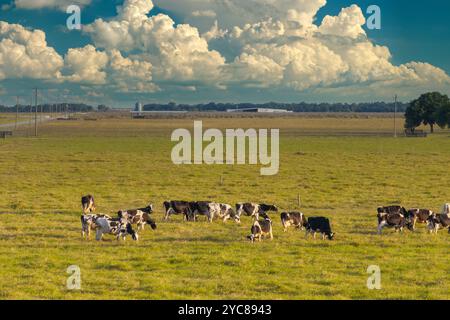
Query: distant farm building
(260, 110)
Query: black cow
(203, 208)
(319, 225)
(418, 215)
(437, 221)
(88, 204)
(296, 219)
(177, 207)
(253, 209)
(261, 228)
(393, 220)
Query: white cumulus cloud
(25, 54)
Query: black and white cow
(88, 223)
(418, 216)
(261, 228)
(177, 207)
(392, 209)
(88, 204)
(393, 220)
(296, 219)
(319, 225)
(203, 208)
(140, 217)
(253, 209)
(439, 221)
(222, 210)
(119, 227)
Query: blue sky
(411, 31)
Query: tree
(425, 108)
(413, 116)
(443, 116)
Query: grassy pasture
(343, 168)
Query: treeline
(50, 108)
(430, 109)
(376, 107)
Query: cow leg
(271, 235)
(314, 235)
(99, 235)
(381, 226)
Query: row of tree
(50, 108)
(430, 109)
(377, 107)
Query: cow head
(331, 235)
(149, 208)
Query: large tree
(424, 110)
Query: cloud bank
(222, 45)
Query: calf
(177, 207)
(140, 217)
(296, 219)
(253, 209)
(319, 225)
(261, 228)
(393, 220)
(119, 227)
(418, 215)
(88, 204)
(439, 221)
(88, 223)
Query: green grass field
(126, 164)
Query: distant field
(342, 167)
(11, 117)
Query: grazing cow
(393, 220)
(119, 227)
(392, 209)
(261, 228)
(203, 208)
(296, 219)
(253, 209)
(439, 221)
(88, 204)
(227, 212)
(88, 223)
(319, 225)
(418, 215)
(177, 207)
(140, 217)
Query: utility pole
(17, 112)
(35, 112)
(395, 117)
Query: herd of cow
(392, 216)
